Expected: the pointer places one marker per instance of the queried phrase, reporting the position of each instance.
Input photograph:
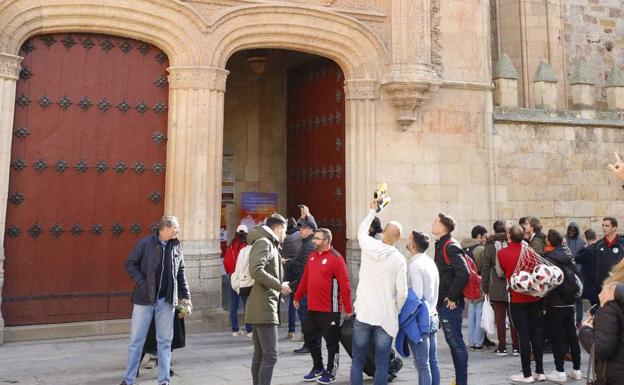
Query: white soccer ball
(522, 281)
(557, 277)
(542, 274)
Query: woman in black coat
(605, 332)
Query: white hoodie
(382, 288)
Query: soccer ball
(557, 277)
(542, 274)
(522, 282)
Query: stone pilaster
(361, 105)
(545, 87)
(193, 182)
(9, 73)
(615, 90)
(410, 76)
(505, 80)
(582, 88)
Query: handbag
(592, 377)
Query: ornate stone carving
(436, 36)
(407, 96)
(9, 66)
(361, 89)
(197, 78)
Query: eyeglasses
(318, 239)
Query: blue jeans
(141, 320)
(476, 335)
(363, 334)
(292, 314)
(451, 321)
(234, 303)
(426, 356)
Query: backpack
(572, 286)
(241, 277)
(472, 290)
(231, 254)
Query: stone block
(615, 89)
(545, 87)
(505, 92)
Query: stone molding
(197, 78)
(361, 89)
(9, 66)
(567, 117)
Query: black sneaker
(487, 343)
(500, 352)
(303, 350)
(477, 348)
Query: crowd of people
(401, 299)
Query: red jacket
(231, 255)
(508, 259)
(326, 283)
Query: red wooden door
(87, 175)
(316, 154)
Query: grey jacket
(141, 266)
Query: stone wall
(594, 34)
(554, 166)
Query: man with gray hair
(156, 265)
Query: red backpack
(472, 290)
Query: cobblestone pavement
(212, 358)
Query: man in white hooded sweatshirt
(381, 293)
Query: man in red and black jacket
(325, 282)
(526, 312)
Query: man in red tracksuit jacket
(325, 281)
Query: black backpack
(572, 286)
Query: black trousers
(319, 324)
(528, 321)
(562, 335)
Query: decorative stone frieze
(407, 97)
(361, 89)
(9, 66)
(197, 78)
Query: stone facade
(419, 111)
(594, 34)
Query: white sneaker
(557, 377)
(522, 379)
(250, 334)
(539, 377)
(575, 374)
(235, 334)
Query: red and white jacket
(325, 282)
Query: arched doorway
(87, 174)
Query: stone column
(9, 73)
(193, 181)
(615, 90)
(545, 83)
(505, 80)
(361, 98)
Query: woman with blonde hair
(605, 332)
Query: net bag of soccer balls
(534, 275)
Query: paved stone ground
(213, 359)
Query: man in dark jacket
(296, 268)
(575, 243)
(156, 265)
(559, 317)
(290, 250)
(586, 259)
(453, 278)
(608, 251)
(537, 239)
(494, 285)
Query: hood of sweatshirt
(561, 255)
(497, 237)
(261, 232)
(469, 242)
